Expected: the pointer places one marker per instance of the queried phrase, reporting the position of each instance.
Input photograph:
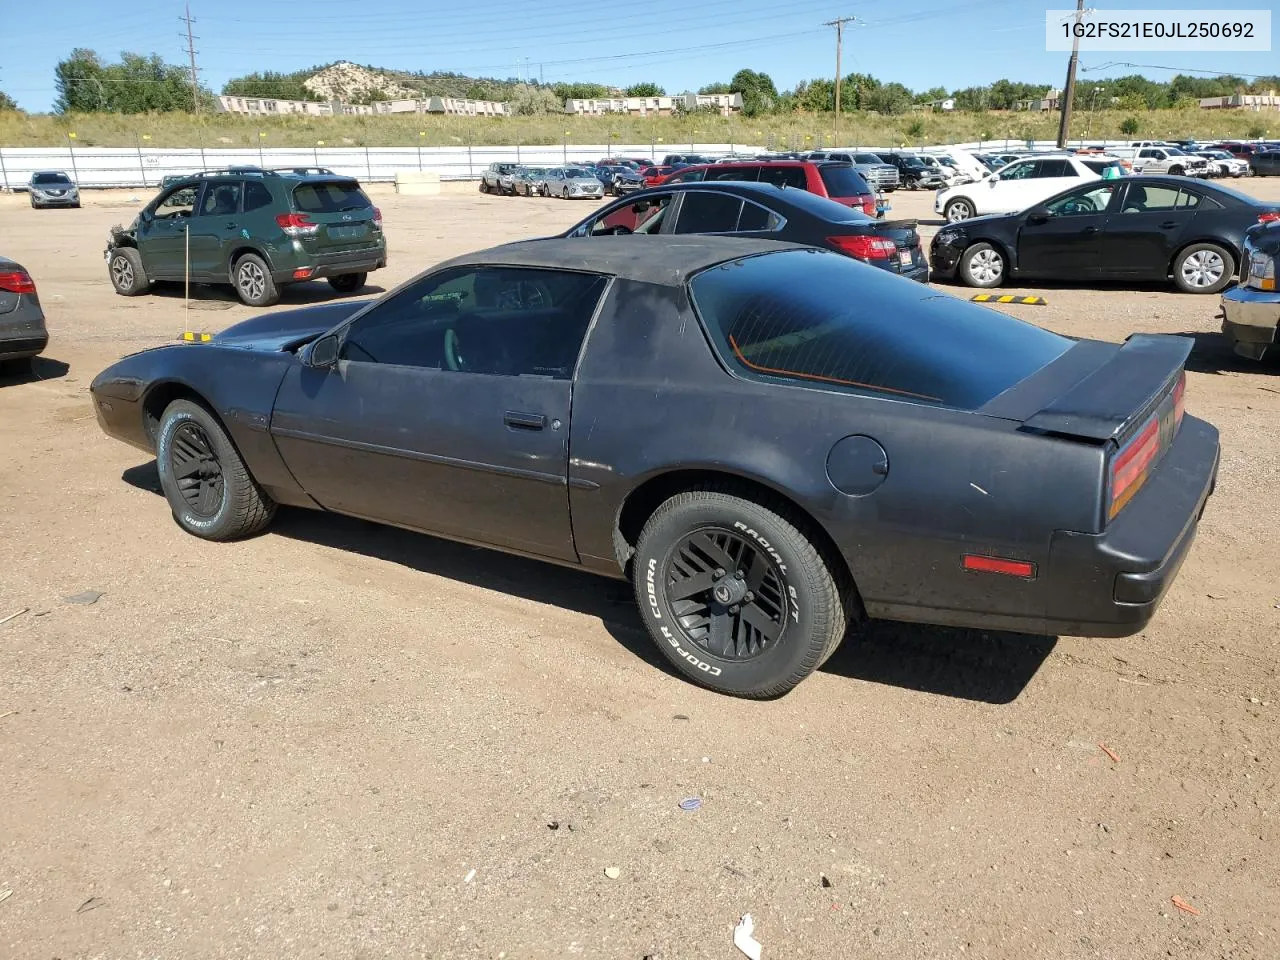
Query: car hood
(288, 329)
(46, 187)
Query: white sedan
(1223, 164)
(1020, 185)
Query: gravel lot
(343, 741)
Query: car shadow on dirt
(42, 368)
(291, 295)
(1212, 353)
(985, 666)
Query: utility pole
(1069, 90)
(191, 52)
(839, 23)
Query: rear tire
(348, 282)
(1176, 171)
(484, 187)
(126, 272)
(252, 279)
(724, 643)
(1203, 268)
(983, 266)
(209, 489)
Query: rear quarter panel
(651, 397)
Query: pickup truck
(499, 178)
(1251, 310)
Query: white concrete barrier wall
(145, 167)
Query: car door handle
(231, 224)
(524, 421)
(1089, 230)
(1168, 224)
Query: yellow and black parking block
(191, 337)
(1006, 298)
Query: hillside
(354, 83)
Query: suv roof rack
(259, 171)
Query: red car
(1241, 151)
(835, 180)
(655, 175)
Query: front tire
(252, 279)
(736, 597)
(983, 266)
(126, 271)
(209, 489)
(958, 210)
(1176, 171)
(348, 282)
(1203, 268)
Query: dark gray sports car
(770, 441)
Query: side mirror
(1038, 215)
(324, 352)
(146, 216)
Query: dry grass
(792, 131)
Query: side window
(1147, 154)
(640, 216)
(749, 174)
(756, 217)
(220, 200)
(1051, 168)
(1142, 199)
(256, 196)
(708, 212)
(1083, 202)
(784, 177)
(1201, 202)
(488, 320)
(692, 176)
(179, 203)
(1019, 171)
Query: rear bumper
(1250, 319)
(17, 348)
(22, 330)
(1110, 584)
(337, 264)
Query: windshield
(842, 181)
(866, 158)
(808, 317)
(336, 196)
(577, 173)
(51, 179)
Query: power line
(191, 52)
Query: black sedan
(766, 212)
(1131, 228)
(770, 441)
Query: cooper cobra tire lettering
(705, 667)
(652, 588)
(162, 457)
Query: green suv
(254, 229)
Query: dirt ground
(343, 741)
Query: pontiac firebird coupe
(770, 441)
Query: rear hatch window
(807, 317)
(342, 210)
(334, 196)
(843, 181)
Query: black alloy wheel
(197, 470)
(726, 594)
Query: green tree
(280, 86)
(477, 91)
(136, 84)
(7, 102)
(530, 100)
(889, 98)
(933, 93)
(717, 87)
(1255, 132)
(915, 129)
(579, 91)
(645, 89)
(759, 95)
(1129, 126)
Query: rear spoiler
(1095, 390)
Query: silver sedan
(572, 182)
(53, 188)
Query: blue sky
(681, 44)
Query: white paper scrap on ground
(743, 940)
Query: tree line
(86, 83)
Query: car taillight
(868, 202)
(1271, 216)
(1130, 467)
(865, 248)
(297, 225)
(1179, 400)
(17, 281)
(377, 218)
